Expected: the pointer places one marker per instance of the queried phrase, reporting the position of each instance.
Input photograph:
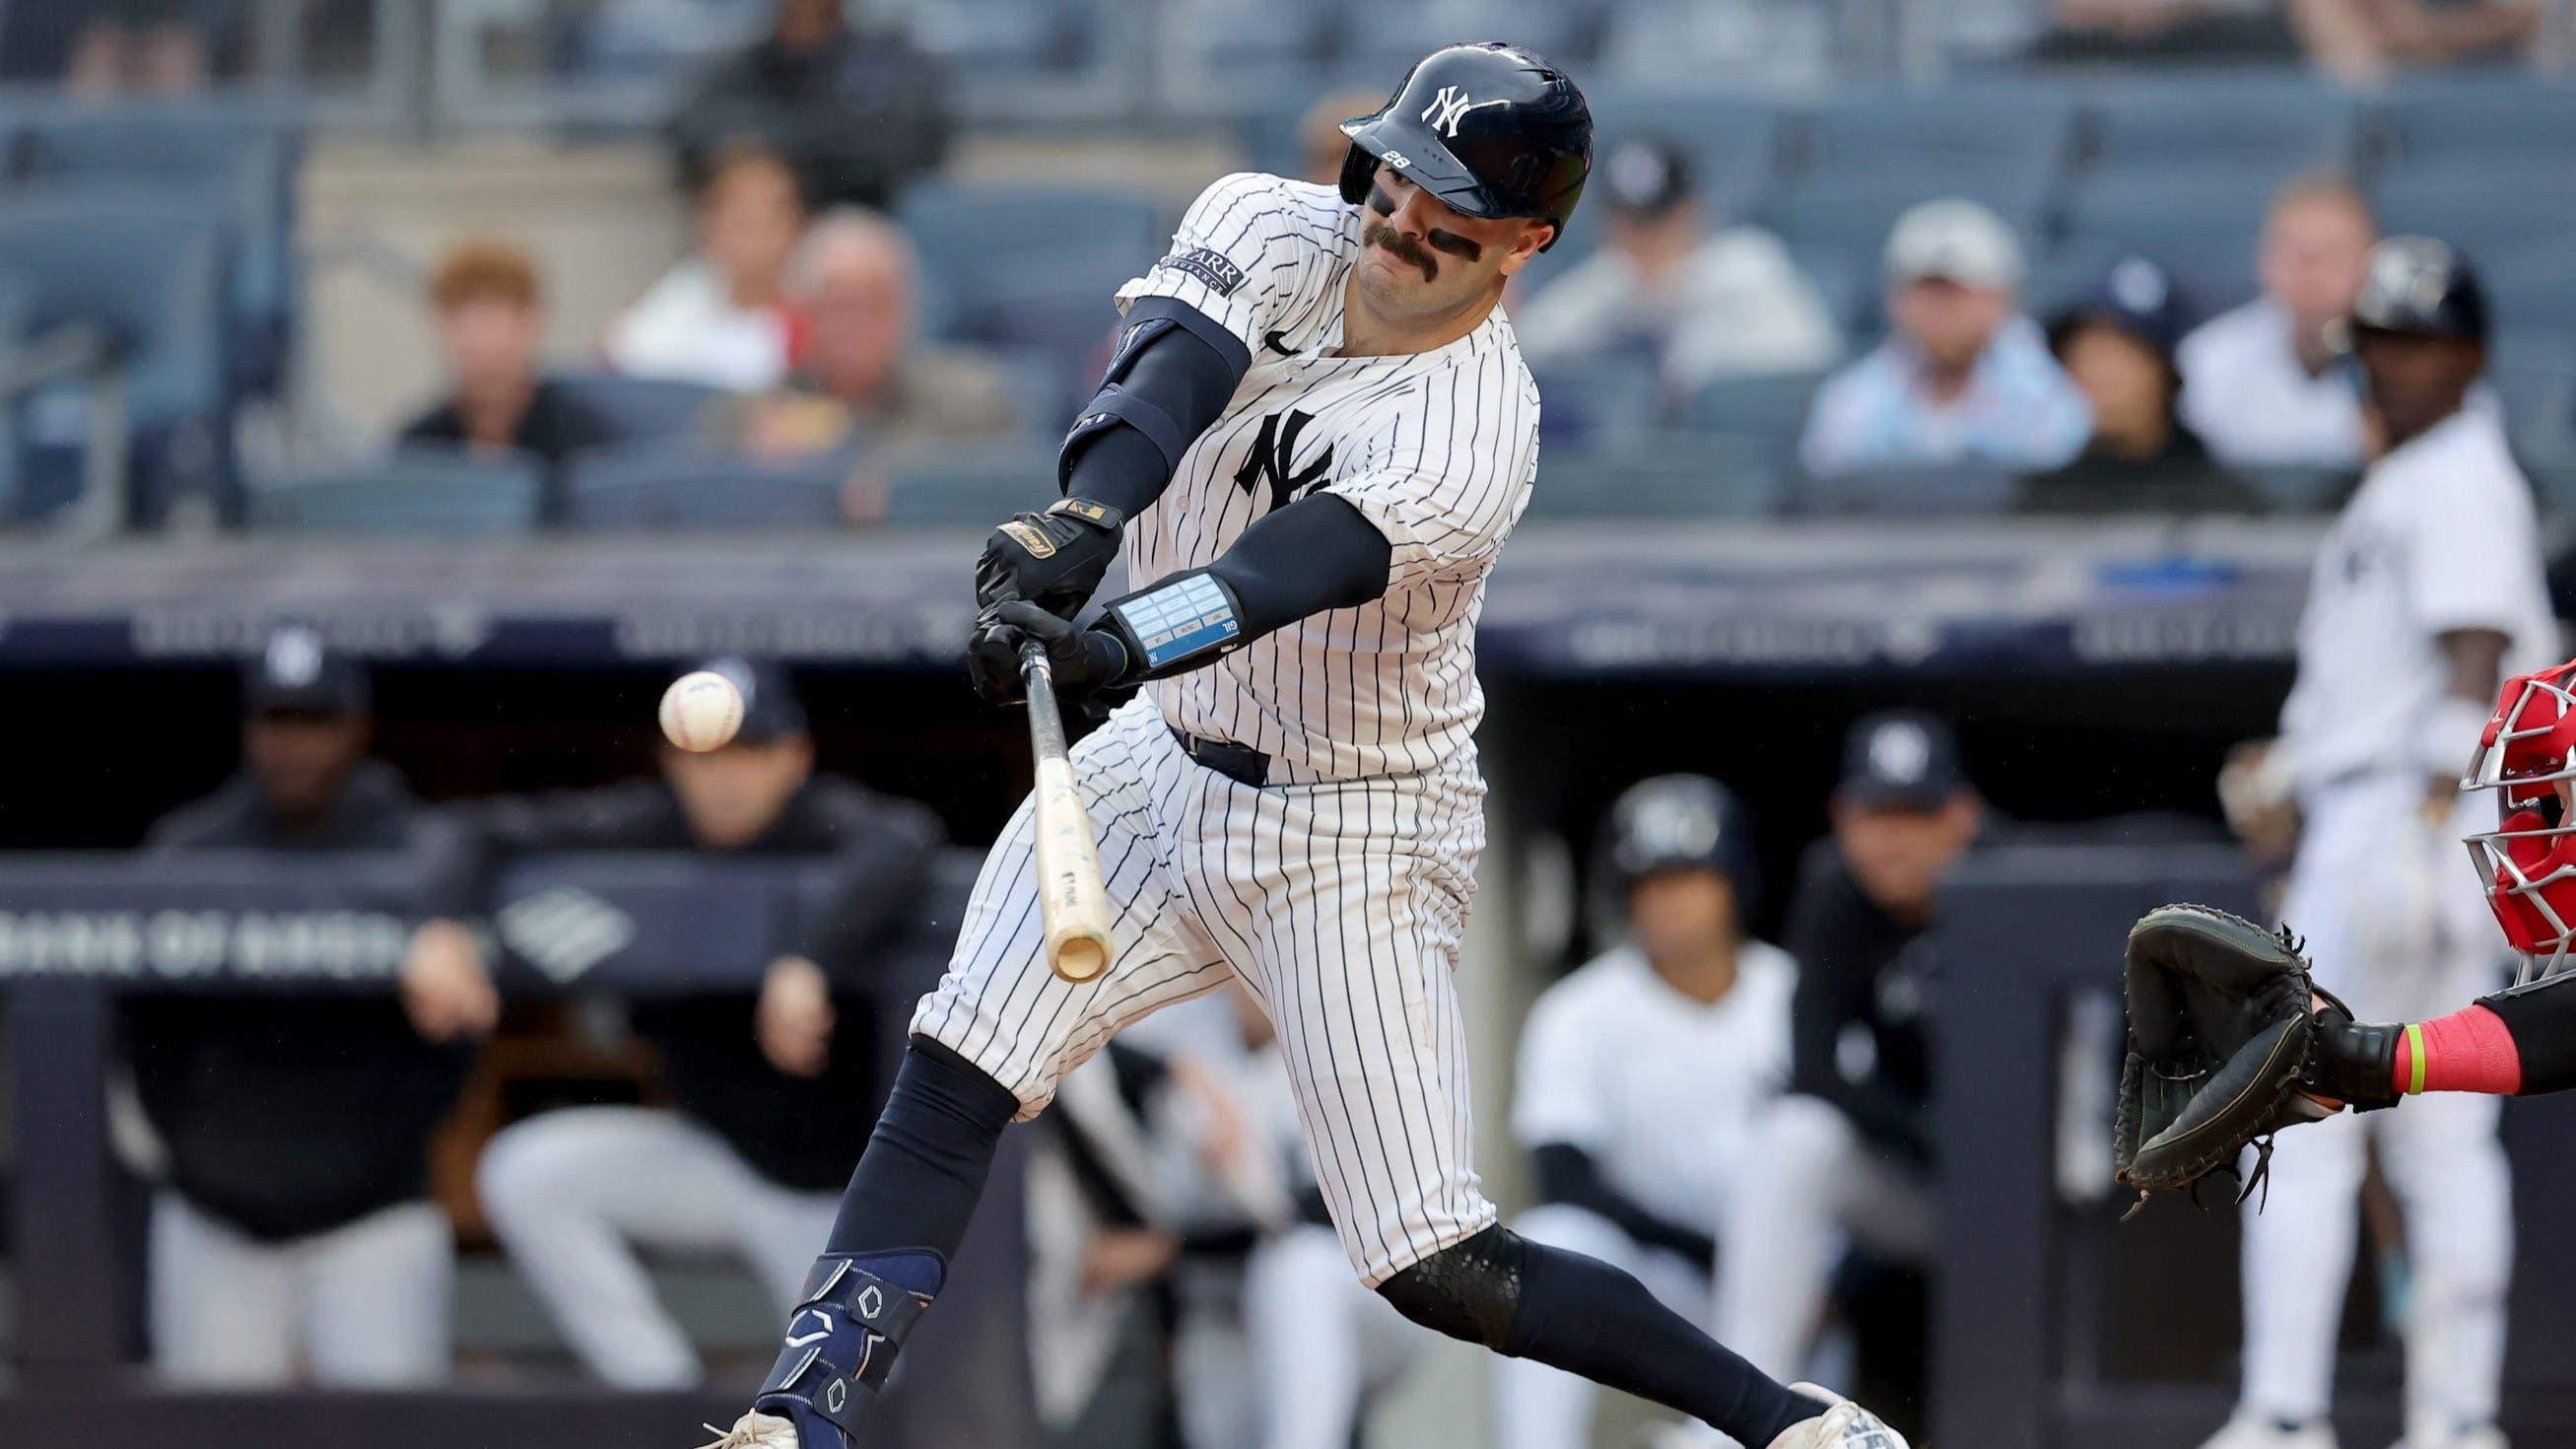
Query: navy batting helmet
(1680, 822)
(1490, 129)
(2417, 285)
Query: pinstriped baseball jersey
(1437, 449)
(1336, 891)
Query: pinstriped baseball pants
(1338, 904)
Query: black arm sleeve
(1567, 1174)
(2542, 1020)
(1317, 553)
(1171, 378)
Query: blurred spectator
(146, 47)
(491, 316)
(855, 281)
(1319, 135)
(774, 1088)
(858, 112)
(1689, 1009)
(1965, 378)
(2265, 383)
(1703, 302)
(2178, 30)
(2118, 345)
(720, 317)
(2363, 40)
(1850, 1151)
(294, 1224)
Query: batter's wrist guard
(1175, 625)
(848, 1325)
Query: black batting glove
(1083, 660)
(1054, 559)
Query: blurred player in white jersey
(2427, 592)
(1315, 435)
(1642, 1076)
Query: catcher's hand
(2223, 1033)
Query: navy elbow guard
(1178, 624)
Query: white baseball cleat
(754, 1430)
(2246, 1431)
(1844, 1426)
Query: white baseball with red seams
(701, 711)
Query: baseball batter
(1313, 438)
(2428, 590)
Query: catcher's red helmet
(2528, 756)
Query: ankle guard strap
(843, 1336)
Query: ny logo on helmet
(1451, 106)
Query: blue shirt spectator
(1965, 378)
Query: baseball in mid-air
(701, 711)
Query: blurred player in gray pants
(294, 1226)
(1846, 1158)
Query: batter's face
(2416, 381)
(301, 760)
(1423, 264)
(732, 796)
(1676, 915)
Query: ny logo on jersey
(1450, 107)
(1274, 453)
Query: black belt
(1242, 765)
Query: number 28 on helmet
(2528, 862)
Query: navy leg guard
(855, 1312)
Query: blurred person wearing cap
(2426, 594)
(773, 1087)
(1644, 1075)
(2118, 345)
(1701, 303)
(1849, 1151)
(1320, 139)
(1964, 377)
(860, 110)
(720, 316)
(866, 374)
(293, 1223)
(490, 311)
(2265, 384)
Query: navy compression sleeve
(1172, 376)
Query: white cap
(1956, 240)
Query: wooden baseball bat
(1073, 904)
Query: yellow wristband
(2415, 1069)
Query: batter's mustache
(1379, 234)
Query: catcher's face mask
(2528, 862)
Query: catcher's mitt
(2222, 1032)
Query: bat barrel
(1073, 904)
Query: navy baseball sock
(925, 1165)
(1586, 1317)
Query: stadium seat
(2303, 490)
(2533, 374)
(151, 276)
(2486, 211)
(1065, 316)
(1961, 489)
(439, 492)
(996, 40)
(1678, 475)
(2480, 122)
(1980, 143)
(2533, 285)
(1594, 403)
(654, 485)
(2202, 231)
(966, 486)
(1854, 216)
(982, 242)
(1772, 408)
(238, 159)
(2256, 132)
(1733, 142)
(641, 408)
